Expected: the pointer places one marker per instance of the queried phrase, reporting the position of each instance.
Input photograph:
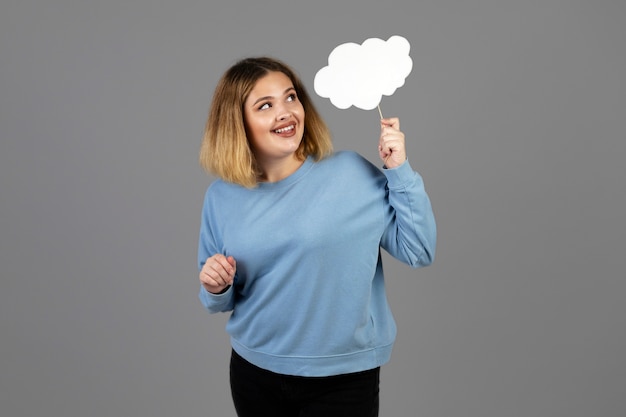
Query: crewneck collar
(291, 179)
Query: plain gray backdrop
(514, 112)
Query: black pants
(258, 392)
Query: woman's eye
(265, 106)
(292, 97)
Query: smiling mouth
(285, 129)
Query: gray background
(514, 114)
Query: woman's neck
(277, 170)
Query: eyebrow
(271, 97)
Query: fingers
(218, 272)
(391, 146)
(393, 122)
(390, 133)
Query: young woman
(290, 244)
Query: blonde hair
(225, 150)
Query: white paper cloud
(359, 75)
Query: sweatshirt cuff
(215, 297)
(399, 176)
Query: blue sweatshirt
(308, 297)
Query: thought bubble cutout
(359, 75)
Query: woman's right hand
(218, 273)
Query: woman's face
(274, 118)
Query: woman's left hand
(391, 144)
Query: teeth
(284, 129)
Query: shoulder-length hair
(225, 150)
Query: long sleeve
(207, 246)
(410, 230)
